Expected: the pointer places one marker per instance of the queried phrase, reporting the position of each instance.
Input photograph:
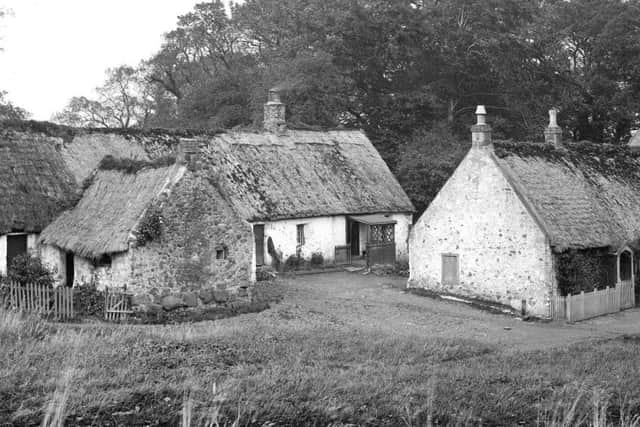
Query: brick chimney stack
(553, 132)
(274, 113)
(481, 131)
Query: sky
(57, 49)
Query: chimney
(481, 131)
(189, 153)
(553, 132)
(274, 113)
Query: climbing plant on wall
(150, 226)
(585, 270)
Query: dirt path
(376, 302)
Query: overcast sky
(56, 49)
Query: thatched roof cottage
(35, 187)
(196, 209)
(522, 223)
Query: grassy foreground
(302, 373)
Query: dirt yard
(379, 304)
(339, 349)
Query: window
(450, 269)
(103, 261)
(300, 234)
(221, 252)
(383, 233)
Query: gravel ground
(379, 303)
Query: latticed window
(382, 233)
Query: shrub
(88, 300)
(317, 260)
(150, 227)
(27, 268)
(293, 262)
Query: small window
(300, 234)
(103, 261)
(221, 252)
(450, 269)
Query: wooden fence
(55, 302)
(117, 305)
(574, 308)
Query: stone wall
(199, 226)
(503, 255)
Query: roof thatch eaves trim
(312, 216)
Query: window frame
(300, 235)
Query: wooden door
(16, 245)
(355, 238)
(450, 269)
(258, 233)
(69, 269)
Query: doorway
(258, 234)
(69, 269)
(355, 238)
(16, 246)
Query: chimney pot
(189, 153)
(274, 113)
(481, 131)
(553, 132)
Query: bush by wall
(27, 268)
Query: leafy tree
(28, 268)
(124, 101)
(9, 111)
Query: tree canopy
(408, 72)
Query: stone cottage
(518, 223)
(182, 210)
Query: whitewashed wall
(32, 246)
(323, 234)
(503, 254)
(84, 270)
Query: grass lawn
(303, 371)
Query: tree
(9, 111)
(125, 100)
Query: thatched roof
(110, 210)
(35, 185)
(303, 174)
(584, 195)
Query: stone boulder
(206, 295)
(150, 308)
(190, 299)
(171, 302)
(220, 295)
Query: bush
(27, 268)
(88, 300)
(293, 263)
(317, 260)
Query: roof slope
(303, 174)
(109, 211)
(586, 195)
(35, 185)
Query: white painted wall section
(503, 254)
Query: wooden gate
(40, 299)
(117, 305)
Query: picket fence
(40, 299)
(574, 308)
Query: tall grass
(300, 372)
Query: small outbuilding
(526, 224)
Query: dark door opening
(69, 269)
(258, 233)
(355, 238)
(16, 245)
